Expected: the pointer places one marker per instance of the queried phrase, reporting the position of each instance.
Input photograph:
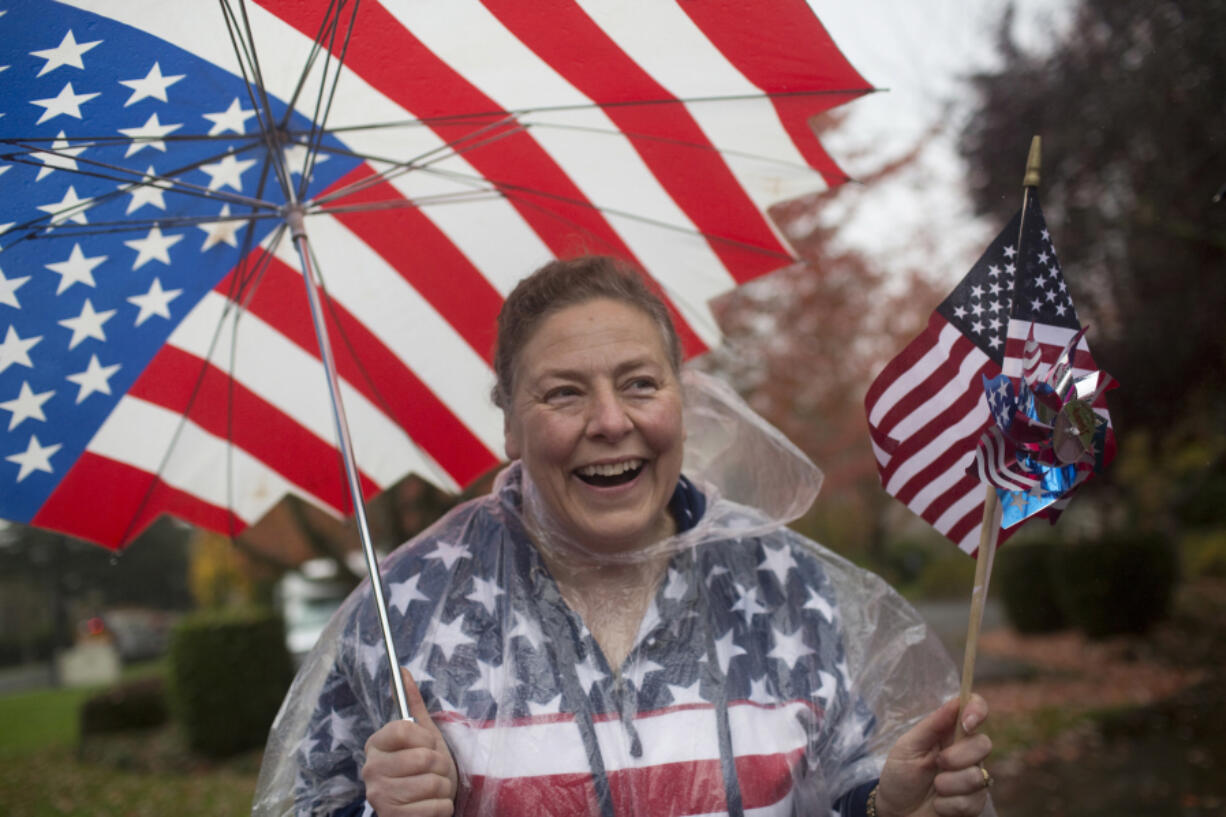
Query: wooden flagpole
(989, 530)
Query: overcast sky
(920, 51)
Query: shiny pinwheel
(1046, 438)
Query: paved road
(949, 619)
(24, 678)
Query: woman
(605, 635)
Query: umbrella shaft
(293, 217)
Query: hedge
(138, 704)
(1024, 572)
(228, 673)
(1122, 583)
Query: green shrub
(951, 576)
(1120, 584)
(1024, 575)
(905, 560)
(138, 704)
(1203, 502)
(1204, 553)
(228, 674)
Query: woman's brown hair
(560, 284)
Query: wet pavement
(949, 620)
(24, 678)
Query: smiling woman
(595, 418)
(605, 634)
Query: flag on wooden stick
(926, 410)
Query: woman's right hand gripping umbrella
(409, 770)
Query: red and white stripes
(659, 132)
(924, 423)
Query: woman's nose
(608, 417)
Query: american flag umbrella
(170, 170)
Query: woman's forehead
(598, 328)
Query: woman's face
(596, 419)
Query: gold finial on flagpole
(1031, 179)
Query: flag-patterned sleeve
(330, 758)
(839, 753)
(356, 697)
(343, 693)
(882, 669)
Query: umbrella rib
(457, 118)
(396, 167)
(473, 140)
(419, 202)
(58, 231)
(48, 223)
(421, 161)
(272, 136)
(524, 195)
(239, 286)
(340, 150)
(694, 100)
(255, 86)
(521, 193)
(241, 277)
(318, 121)
(459, 147)
(634, 135)
(104, 140)
(164, 181)
(327, 29)
(185, 417)
(326, 19)
(247, 275)
(37, 231)
(243, 286)
(205, 363)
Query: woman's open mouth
(607, 475)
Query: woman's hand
(928, 773)
(409, 770)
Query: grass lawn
(37, 720)
(55, 782)
(43, 773)
(48, 717)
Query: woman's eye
(640, 384)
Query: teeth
(609, 469)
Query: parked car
(139, 633)
(307, 598)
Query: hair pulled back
(558, 285)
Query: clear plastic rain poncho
(766, 675)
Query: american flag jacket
(769, 677)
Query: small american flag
(926, 410)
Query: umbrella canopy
(156, 349)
